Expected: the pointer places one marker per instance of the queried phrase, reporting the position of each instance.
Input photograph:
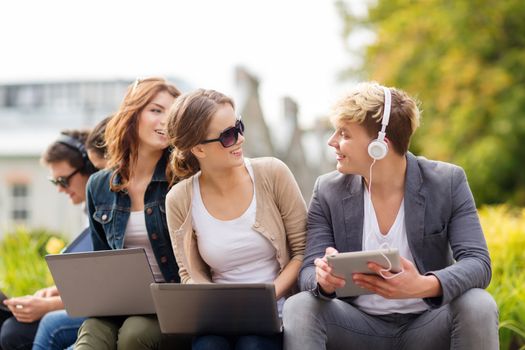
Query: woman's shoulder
(268, 164)
(271, 171)
(100, 179)
(181, 189)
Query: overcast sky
(294, 47)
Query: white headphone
(377, 149)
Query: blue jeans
(469, 322)
(245, 342)
(57, 331)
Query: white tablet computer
(346, 264)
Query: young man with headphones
(383, 195)
(70, 168)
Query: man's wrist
(431, 287)
(320, 293)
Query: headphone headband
(78, 146)
(378, 148)
(73, 143)
(386, 109)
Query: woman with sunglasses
(231, 219)
(126, 206)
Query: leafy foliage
(23, 269)
(505, 232)
(465, 60)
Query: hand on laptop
(32, 308)
(323, 273)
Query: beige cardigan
(280, 217)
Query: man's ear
(198, 151)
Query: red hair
(121, 132)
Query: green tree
(465, 61)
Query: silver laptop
(216, 308)
(103, 283)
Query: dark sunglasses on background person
(63, 181)
(229, 137)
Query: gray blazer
(442, 224)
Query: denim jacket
(109, 213)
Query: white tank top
(395, 238)
(233, 250)
(136, 236)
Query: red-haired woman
(126, 206)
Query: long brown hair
(121, 132)
(188, 123)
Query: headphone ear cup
(77, 145)
(88, 166)
(377, 149)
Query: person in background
(126, 206)
(58, 331)
(383, 196)
(96, 145)
(231, 219)
(70, 169)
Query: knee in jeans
(475, 306)
(50, 321)
(299, 307)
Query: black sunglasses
(229, 137)
(63, 181)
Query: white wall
(47, 208)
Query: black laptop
(216, 308)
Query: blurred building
(304, 151)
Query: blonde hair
(364, 104)
(187, 126)
(121, 133)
